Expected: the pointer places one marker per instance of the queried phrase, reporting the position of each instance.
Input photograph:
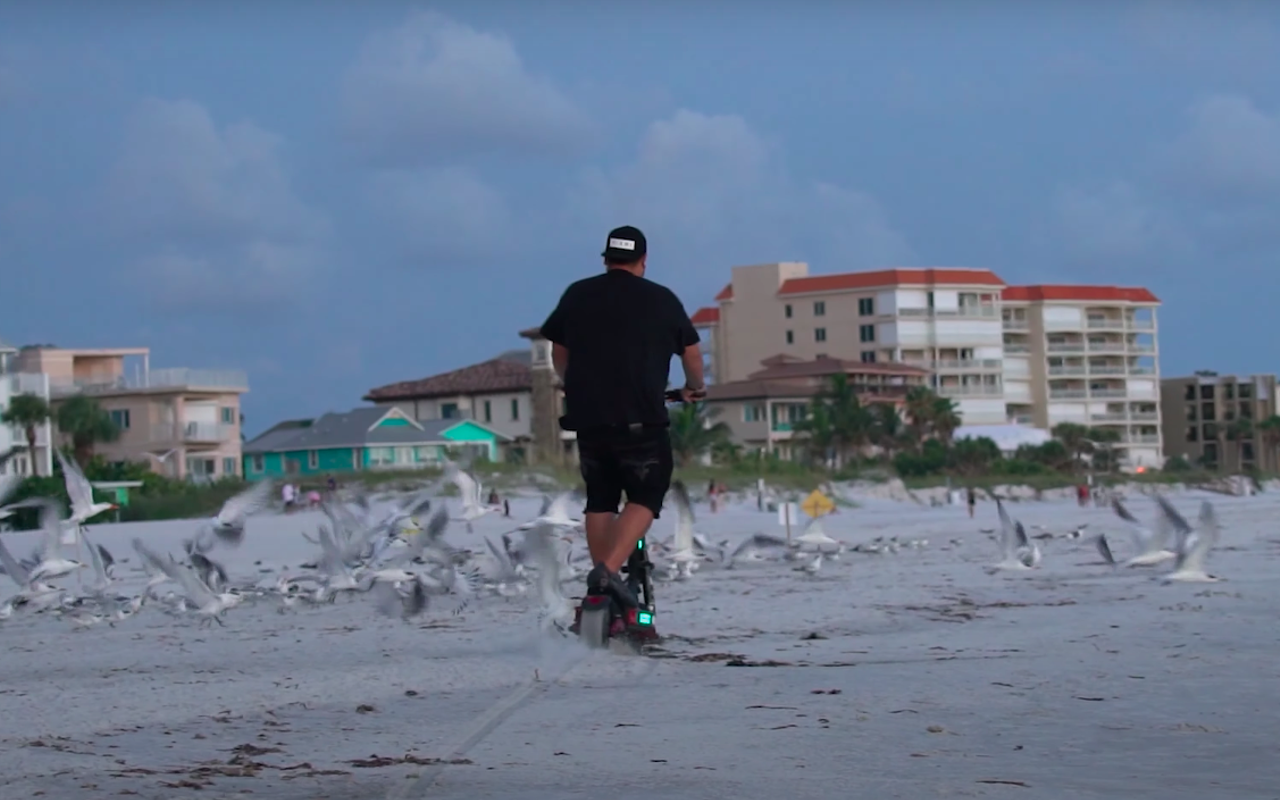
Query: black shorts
(613, 462)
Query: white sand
(932, 679)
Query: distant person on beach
(313, 498)
(973, 501)
(289, 495)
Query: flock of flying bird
(397, 553)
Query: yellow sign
(817, 505)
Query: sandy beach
(910, 675)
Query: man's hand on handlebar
(691, 395)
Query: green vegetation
(28, 412)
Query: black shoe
(601, 581)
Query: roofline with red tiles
(1083, 293)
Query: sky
(336, 195)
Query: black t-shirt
(621, 332)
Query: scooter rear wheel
(595, 623)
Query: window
(791, 338)
(866, 333)
(258, 465)
(381, 456)
(866, 306)
(1246, 451)
(313, 459)
(930, 299)
(448, 410)
(1246, 411)
(819, 334)
(228, 416)
(786, 311)
(229, 467)
(120, 417)
(515, 409)
(1191, 412)
(819, 308)
(1206, 392)
(1192, 434)
(1210, 430)
(1245, 391)
(868, 356)
(1230, 389)
(1207, 412)
(752, 413)
(1190, 393)
(488, 411)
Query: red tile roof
(495, 375)
(726, 293)
(891, 277)
(1099, 294)
(706, 316)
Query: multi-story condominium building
(1035, 355)
(1211, 420)
(946, 321)
(184, 423)
(762, 409)
(1086, 355)
(13, 383)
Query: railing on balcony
(1137, 370)
(1108, 393)
(1067, 394)
(1017, 348)
(208, 432)
(981, 312)
(1114, 416)
(1065, 347)
(1142, 347)
(981, 364)
(27, 383)
(1142, 324)
(1064, 370)
(1143, 416)
(1023, 419)
(971, 391)
(1106, 347)
(1017, 324)
(1105, 323)
(175, 378)
(1108, 369)
(1142, 438)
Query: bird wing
(79, 491)
(252, 500)
(12, 568)
(1008, 532)
(684, 517)
(196, 590)
(95, 559)
(546, 506)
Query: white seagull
(684, 557)
(469, 489)
(1149, 541)
(1192, 546)
(83, 508)
(229, 524)
(1017, 552)
(207, 603)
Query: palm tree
(945, 417)
(920, 408)
(693, 433)
(84, 421)
(1106, 438)
(818, 430)
(1237, 431)
(28, 411)
(889, 431)
(1075, 438)
(1269, 429)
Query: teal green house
(363, 439)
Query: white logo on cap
(622, 244)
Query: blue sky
(334, 196)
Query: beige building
(184, 423)
(762, 409)
(1086, 355)
(946, 321)
(1035, 355)
(1211, 420)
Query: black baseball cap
(626, 245)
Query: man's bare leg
(599, 535)
(625, 533)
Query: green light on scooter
(644, 618)
(640, 544)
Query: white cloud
(708, 189)
(214, 209)
(1229, 153)
(433, 88)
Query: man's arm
(695, 387)
(559, 359)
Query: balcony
(1144, 416)
(1064, 370)
(1108, 369)
(1067, 394)
(1065, 347)
(977, 312)
(1137, 370)
(203, 432)
(1022, 419)
(27, 383)
(1108, 393)
(1106, 323)
(176, 379)
(970, 391)
(1142, 347)
(1106, 347)
(1142, 438)
(1109, 417)
(959, 365)
(1016, 325)
(1017, 348)
(1142, 324)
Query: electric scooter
(600, 618)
